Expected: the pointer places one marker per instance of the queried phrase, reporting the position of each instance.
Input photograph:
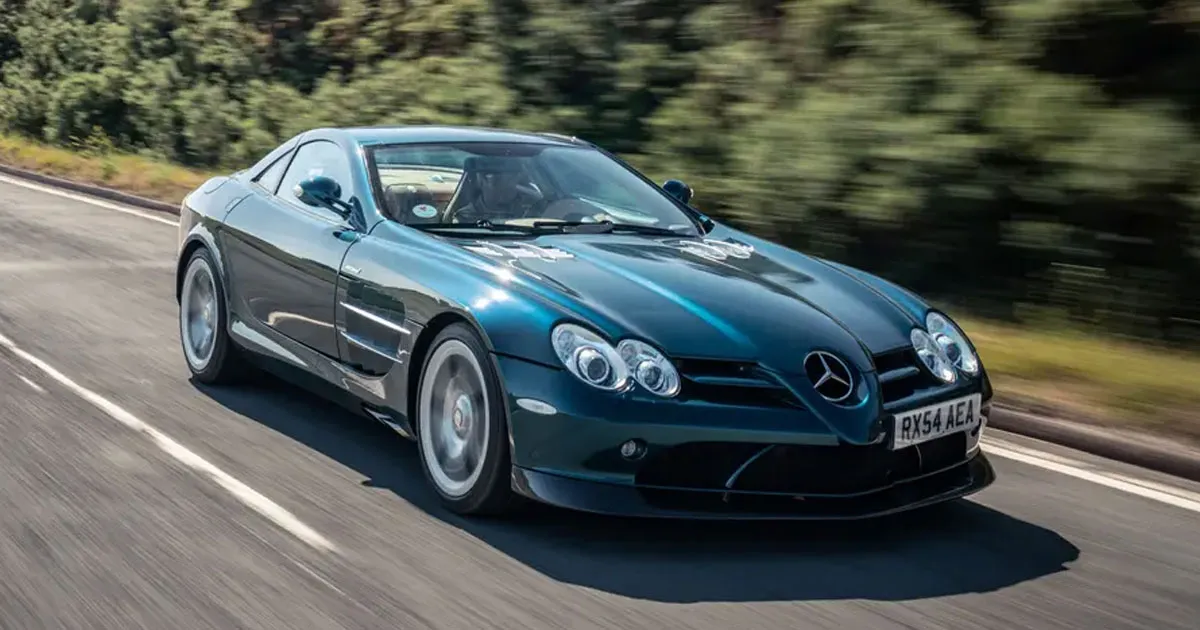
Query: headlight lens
(649, 368)
(933, 356)
(953, 342)
(590, 358)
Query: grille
(901, 375)
(731, 383)
(745, 502)
(810, 470)
(847, 469)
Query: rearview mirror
(320, 191)
(678, 190)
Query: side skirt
(300, 367)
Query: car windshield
(518, 186)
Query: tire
(469, 418)
(217, 361)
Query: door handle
(346, 234)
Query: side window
(316, 158)
(269, 179)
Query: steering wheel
(456, 215)
(570, 209)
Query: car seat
(411, 203)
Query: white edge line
(247, 495)
(1176, 497)
(145, 214)
(1071, 463)
(34, 386)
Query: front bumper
(702, 460)
(959, 481)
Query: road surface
(130, 498)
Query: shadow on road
(952, 549)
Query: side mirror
(678, 190)
(320, 191)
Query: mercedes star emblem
(830, 375)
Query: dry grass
(1082, 377)
(95, 165)
(1064, 372)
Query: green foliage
(1021, 155)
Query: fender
(203, 233)
(199, 237)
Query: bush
(1029, 158)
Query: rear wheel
(207, 348)
(461, 425)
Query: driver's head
(499, 188)
(498, 179)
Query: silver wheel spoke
(472, 455)
(198, 313)
(453, 418)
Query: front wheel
(461, 425)
(207, 348)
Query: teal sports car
(546, 323)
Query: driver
(499, 194)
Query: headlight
(590, 358)
(953, 343)
(932, 355)
(649, 368)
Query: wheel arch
(189, 249)
(420, 352)
(195, 241)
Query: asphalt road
(131, 498)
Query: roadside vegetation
(147, 177)
(1045, 366)
(1078, 375)
(1036, 162)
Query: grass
(1092, 379)
(1061, 372)
(93, 164)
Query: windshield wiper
(646, 229)
(482, 224)
(600, 227)
(575, 227)
(551, 227)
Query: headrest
(411, 203)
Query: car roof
(411, 134)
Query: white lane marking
(145, 214)
(1162, 493)
(239, 490)
(34, 386)
(38, 266)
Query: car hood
(727, 296)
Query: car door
(377, 335)
(284, 255)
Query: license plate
(934, 421)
